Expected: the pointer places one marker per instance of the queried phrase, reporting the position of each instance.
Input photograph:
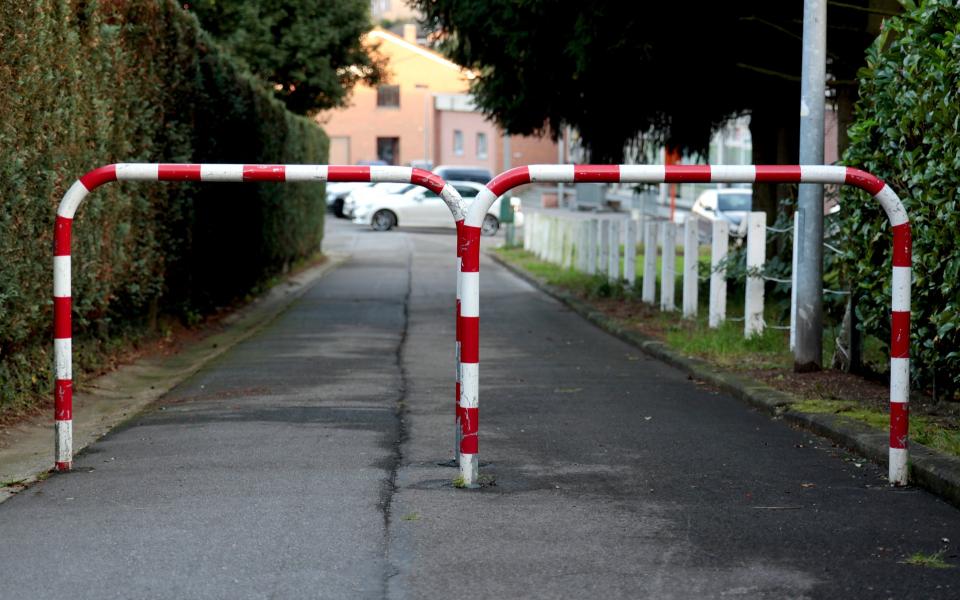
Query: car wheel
(338, 208)
(490, 225)
(383, 220)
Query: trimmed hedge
(86, 84)
(907, 131)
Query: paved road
(302, 463)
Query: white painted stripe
(220, 172)
(901, 289)
(72, 199)
(62, 358)
(469, 385)
(469, 469)
(470, 294)
(899, 380)
(898, 466)
(392, 174)
(642, 173)
(459, 278)
(551, 173)
(64, 440)
(455, 203)
(733, 173)
(479, 207)
(305, 172)
(822, 174)
(61, 276)
(138, 171)
(892, 206)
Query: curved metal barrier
(62, 302)
(504, 182)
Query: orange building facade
(422, 113)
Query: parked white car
(729, 204)
(413, 206)
(337, 192)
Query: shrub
(86, 84)
(907, 131)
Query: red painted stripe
(778, 173)
(457, 327)
(470, 339)
(902, 245)
(178, 172)
(506, 181)
(470, 250)
(264, 173)
(864, 181)
(596, 173)
(98, 177)
(459, 238)
(899, 424)
(61, 236)
(61, 466)
(469, 425)
(899, 334)
(61, 318)
(63, 400)
(348, 174)
(427, 179)
(687, 174)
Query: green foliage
(308, 52)
(86, 84)
(908, 132)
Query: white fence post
(630, 252)
(649, 294)
(604, 246)
(593, 233)
(756, 256)
(613, 266)
(528, 228)
(668, 267)
(691, 256)
(793, 283)
(718, 277)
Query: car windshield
(734, 202)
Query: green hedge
(907, 131)
(84, 84)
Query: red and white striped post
(62, 327)
(504, 182)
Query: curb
(934, 471)
(120, 395)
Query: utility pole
(808, 279)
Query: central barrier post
(504, 182)
(62, 298)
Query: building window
(481, 145)
(388, 149)
(458, 142)
(388, 96)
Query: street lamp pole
(808, 278)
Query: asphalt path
(303, 464)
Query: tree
(669, 71)
(308, 51)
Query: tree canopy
(308, 51)
(615, 70)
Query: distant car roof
(479, 175)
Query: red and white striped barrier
(62, 327)
(502, 183)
